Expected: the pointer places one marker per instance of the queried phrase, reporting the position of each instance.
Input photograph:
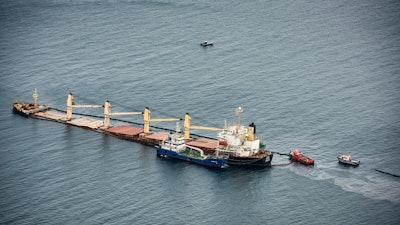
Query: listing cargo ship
(236, 142)
(175, 147)
(142, 133)
(132, 133)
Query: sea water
(319, 76)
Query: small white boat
(346, 159)
(206, 43)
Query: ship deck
(86, 123)
(203, 143)
(51, 115)
(158, 136)
(124, 130)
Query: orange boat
(296, 155)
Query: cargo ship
(175, 147)
(236, 142)
(139, 132)
(243, 146)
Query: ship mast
(239, 111)
(178, 128)
(35, 98)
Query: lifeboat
(223, 142)
(296, 155)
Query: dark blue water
(320, 76)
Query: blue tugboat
(175, 147)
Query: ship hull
(349, 162)
(209, 162)
(297, 156)
(19, 112)
(254, 161)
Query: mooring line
(395, 175)
(282, 164)
(280, 153)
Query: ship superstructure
(242, 145)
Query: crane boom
(71, 104)
(187, 127)
(87, 106)
(165, 120)
(147, 119)
(205, 128)
(108, 113)
(125, 113)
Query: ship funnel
(251, 134)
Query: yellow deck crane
(71, 104)
(108, 113)
(147, 119)
(188, 126)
